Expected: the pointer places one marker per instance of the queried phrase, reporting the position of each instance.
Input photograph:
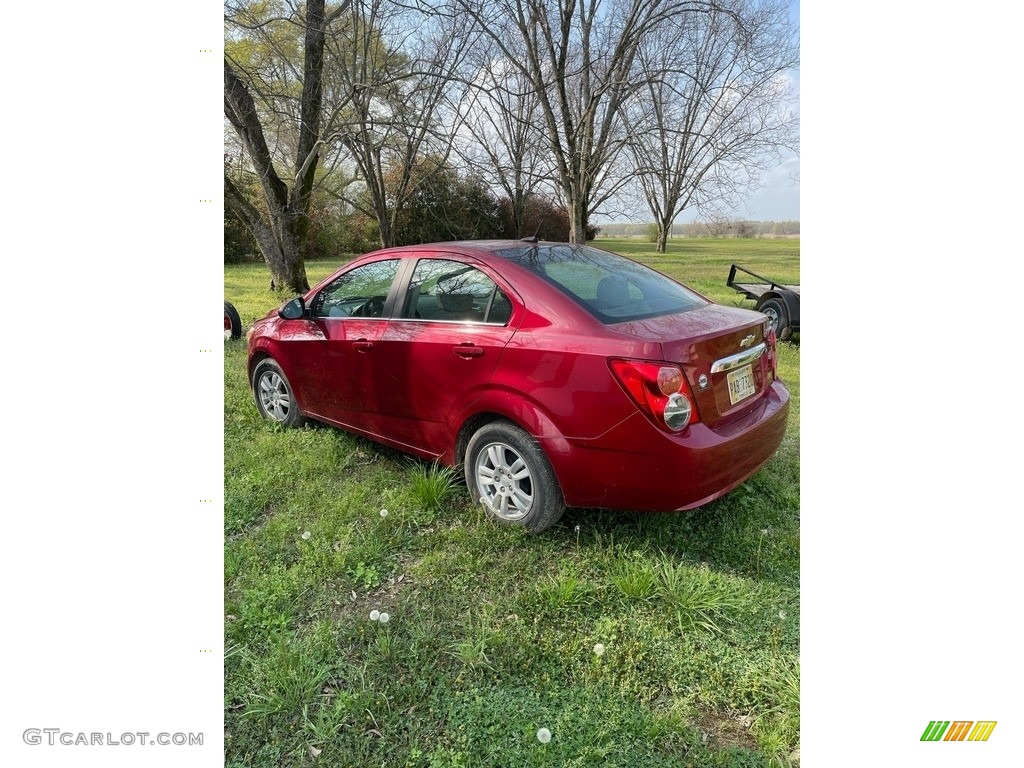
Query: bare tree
(579, 57)
(503, 132)
(286, 96)
(403, 103)
(716, 109)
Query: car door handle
(468, 349)
(362, 345)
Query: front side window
(447, 290)
(360, 292)
(610, 287)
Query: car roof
(488, 246)
(497, 245)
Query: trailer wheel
(232, 322)
(778, 315)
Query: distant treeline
(716, 228)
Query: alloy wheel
(504, 481)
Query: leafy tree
(239, 244)
(541, 217)
(274, 100)
(444, 205)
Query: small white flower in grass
(543, 735)
(306, 535)
(374, 614)
(599, 649)
(383, 513)
(384, 618)
(782, 615)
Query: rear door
(441, 348)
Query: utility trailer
(780, 302)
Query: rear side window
(610, 287)
(452, 291)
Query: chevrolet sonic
(555, 375)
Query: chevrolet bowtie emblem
(746, 341)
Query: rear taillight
(769, 337)
(660, 390)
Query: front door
(350, 311)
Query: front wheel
(508, 473)
(275, 398)
(778, 316)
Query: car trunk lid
(726, 359)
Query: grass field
(635, 639)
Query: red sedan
(557, 375)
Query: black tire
(275, 399)
(777, 313)
(232, 322)
(509, 475)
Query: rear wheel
(508, 473)
(232, 322)
(778, 316)
(275, 399)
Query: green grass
(432, 485)
(703, 264)
(492, 630)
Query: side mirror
(293, 309)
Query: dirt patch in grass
(359, 603)
(726, 729)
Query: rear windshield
(612, 288)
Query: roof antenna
(533, 238)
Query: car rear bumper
(636, 466)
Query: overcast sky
(779, 198)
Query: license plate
(741, 384)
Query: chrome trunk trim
(739, 359)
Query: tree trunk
(664, 228)
(289, 272)
(518, 200)
(287, 267)
(281, 230)
(578, 221)
(387, 234)
(283, 254)
(280, 243)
